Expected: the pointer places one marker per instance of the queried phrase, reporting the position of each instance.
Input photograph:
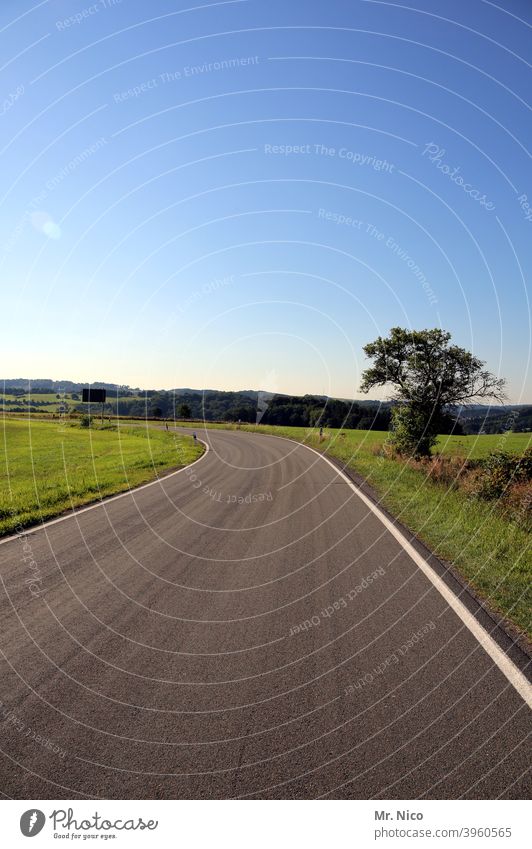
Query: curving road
(247, 627)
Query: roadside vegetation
(48, 467)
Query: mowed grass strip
(47, 467)
(493, 553)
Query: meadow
(48, 467)
(490, 548)
(49, 402)
(356, 441)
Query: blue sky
(242, 194)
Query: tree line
(251, 407)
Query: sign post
(95, 396)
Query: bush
(502, 477)
(448, 471)
(501, 470)
(411, 434)
(516, 504)
(524, 466)
(84, 420)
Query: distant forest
(299, 411)
(252, 406)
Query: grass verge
(49, 467)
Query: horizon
(384, 400)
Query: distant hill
(54, 385)
(248, 405)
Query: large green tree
(429, 376)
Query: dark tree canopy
(184, 411)
(424, 368)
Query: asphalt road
(245, 628)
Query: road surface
(247, 627)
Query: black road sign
(94, 396)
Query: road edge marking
(499, 657)
(73, 513)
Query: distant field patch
(55, 402)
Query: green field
(492, 552)
(473, 447)
(7, 402)
(48, 402)
(353, 442)
(48, 467)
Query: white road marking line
(507, 666)
(32, 529)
